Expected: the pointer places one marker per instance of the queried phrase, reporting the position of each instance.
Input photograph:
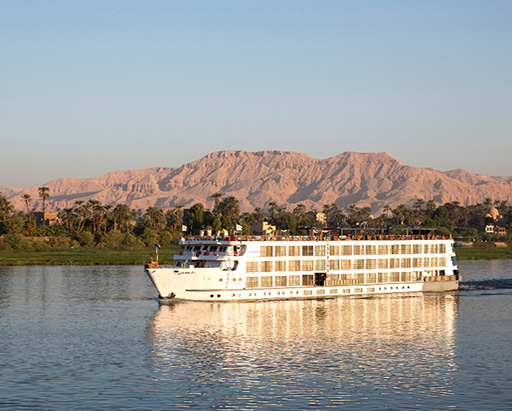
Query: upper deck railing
(317, 238)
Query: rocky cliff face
(256, 178)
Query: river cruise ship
(253, 268)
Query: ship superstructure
(244, 268)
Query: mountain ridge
(286, 177)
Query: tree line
(91, 223)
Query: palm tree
(44, 193)
(28, 200)
(6, 208)
(216, 201)
(122, 215)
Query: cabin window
(395, 249)
(334, 264)
(394, 262)
(406, 263)
(442, 248)
(345, 264)
(307, 250)
(371, 249)
(307, 279)
(294, 265)
(371, 264)
(434, 262)
(320, 292)
(334, 276)
(280, 251)
(334, 250)
(394, 277)
(416, 262)
(294, 280)
(307, 265)
(294, 250)
(360, 278)
(320, 265)
(280, 281)
(280, 265)
(358, 250)
(266, 281)
(406, 248)
(358, 264)
(416, 249)
(346, 250)
(382, 263)
(266, 251)
(252, 266)
(383, 249)
(266, 266)
(371, 277)
(433, 249)
(251, 282)
(320, 250)
(425, 248)
(442, 261)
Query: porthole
(232, 295)
(220, 279)
(211, 296)
(218, 295)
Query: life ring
(327, 276)
(300, 237)
(236, 253)
(312, 238)
(215, 253)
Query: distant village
(92, 224)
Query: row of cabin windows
(351, 249)
(334, 279)
(360, 264)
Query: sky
(97, 86)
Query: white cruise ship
(256, 268)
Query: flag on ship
(238, 227)
(183, 228)
(157, 245)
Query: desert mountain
(257, 178)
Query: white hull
(235, 272)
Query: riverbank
(102, 256)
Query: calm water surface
(96, 338)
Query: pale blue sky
(97, 86)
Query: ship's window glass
(433, 249)
(251, 282)
(294, 280)
(320, 250)
(434, 262)
(266, 266)
(320, 292)
(380, 277)
(333, 291)
(346, 291)
(307, 265)
(442, 248)
(334, 250)
(334, 264)
(371, 249)
(308, 292)
(425, 249)
(395, 249)
(358, 264)
(252, 266)
(307, 250)
(442, 261)
(294, 250)
(394, 262)
(320, 265)
(358, 250)
(382, 263)
(307, 279)
(334, 276)
(280, 265)
(416, 249)
(280, 250)
(370, 290)
(406, 263)
(403, 276)
(266, 281)
(358, 290)
(266, 251)
(344, 277)
(280, 281)
(383, 249)
(294, 265)
(395, 277)
(416, 262)
(213, 248)
(406, 249)
(345, 264)
(360, 278)
(346, 250)
(371, 264)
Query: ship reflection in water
(386, 351)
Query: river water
(97, 338)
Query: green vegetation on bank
(93, 233)
(85, 256)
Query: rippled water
(96, 338)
